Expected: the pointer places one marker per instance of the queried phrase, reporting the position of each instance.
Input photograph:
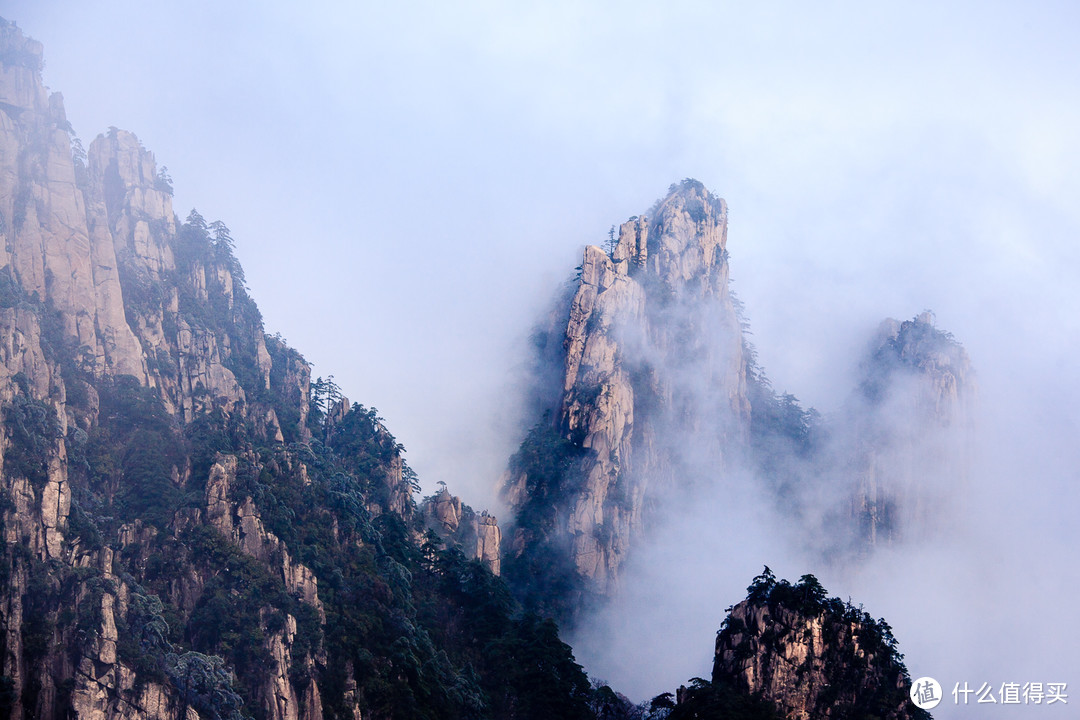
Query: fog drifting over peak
(409, 184)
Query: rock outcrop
(241, 522)
(811, 656)
(908, 431)
(100, 284)
(649, 357)
(192, 528)
(477, 535)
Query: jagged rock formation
(810, 656)
(908, 431)
(648, 389)
(477, 536)
(101, 284)
(649, 357)
(190, 526)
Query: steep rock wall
(650, 360)
(908, 432)
(810, 656)
(477, 535)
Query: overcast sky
(408, 183)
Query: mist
(978, 592)
(409, 185)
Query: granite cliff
(648, 394)
(646, 358)
(194, 527)
(476, 535)
(909, 431)
(190, 527)
(810, 656)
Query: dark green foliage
(40, 597)
(21, 57)
(11, 292)
(8, 695)
(524, 669)
(427, 633)
(761, 586)
(33, 431)
(143, 633)
(368, 451)
(545, 459)
(207, 436)
(706, 700)
(869, 683)
(226, 620)
(542, 577)
(135, 454)
(204, 683)
(541, 671)
(781, 431)
(207, 252)
(785, 438)
(163, 181)
(325, 394)
(612, 242)
(82, 527)
(606, 704)
(285, 396)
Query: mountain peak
(809, 655)
(651, 360)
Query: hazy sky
(408, 183)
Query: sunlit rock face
(648, 393)
(477, 536)
(99, 291)
(810, 656)
(646, 360)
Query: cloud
(407, 183)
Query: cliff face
(104, 293)
(648, 353)
(649, 393)
(908, 431)
(190, 527)
(810, 656)
(477, 536)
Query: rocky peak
(917, 349)
(124, 176)
(476, 535)
(909, 430)
(811, 656)
(649, 355)
(688, 235)
(20, 70)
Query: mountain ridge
(194, 527)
